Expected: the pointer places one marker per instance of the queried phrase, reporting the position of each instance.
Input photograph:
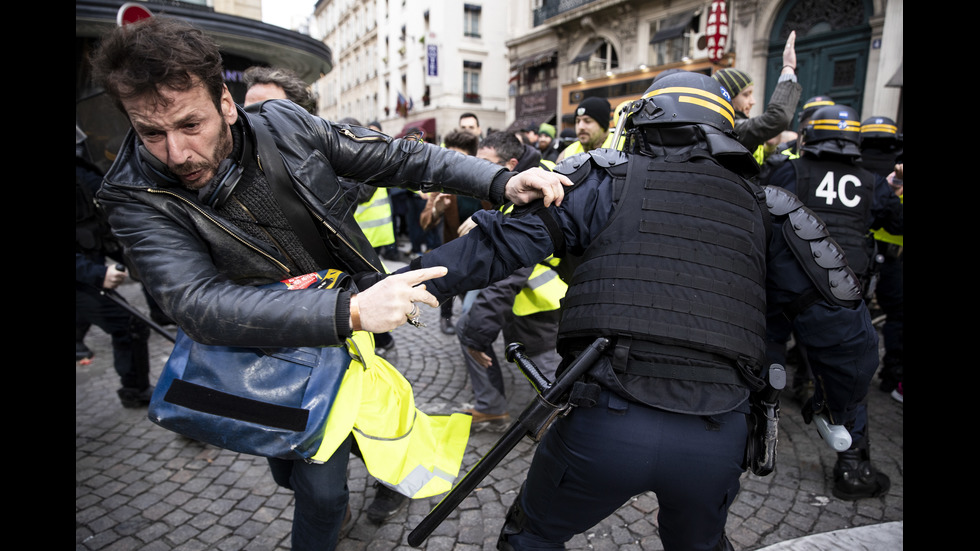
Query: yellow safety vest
(416, 454)
(544, 288)
(882, 235)
(576, 147)
(375, 220)
(542, 292)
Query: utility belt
(634, 357)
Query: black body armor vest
(841, 194)
(677, 278)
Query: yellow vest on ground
(415, 454)
(542, 292)
(375, 220)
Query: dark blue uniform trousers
(591, 462)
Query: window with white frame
(671, 38)
(471, 81)
(471, 20)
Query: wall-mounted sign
(432, 60)
(716, 29)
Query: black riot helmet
(811, 105)
(833, 129)
(879, 128)
(837, 122)
(683, 112)
(684, 97)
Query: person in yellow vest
(591, 127)
(525, 308)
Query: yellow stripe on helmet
(818, 104)
(889, 128)
(720, 105)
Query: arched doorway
(832, 42)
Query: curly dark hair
(138, 59)
(462, 140)
(296, 89)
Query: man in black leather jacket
(191, 198)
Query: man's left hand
(537, 183)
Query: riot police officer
(671, 242)
(882, 147)
(851, 201)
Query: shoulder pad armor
(781, 202)
(576, 167)
(613, 160)
(819, 255)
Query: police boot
(856, 478)
(513, 524)
(725, 544)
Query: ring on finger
(414, 317)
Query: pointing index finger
(424, 274)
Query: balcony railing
(551, 8)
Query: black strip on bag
(281, 184)
(214, 402)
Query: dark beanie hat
(597, 108)
(733, 80)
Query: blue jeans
(321, 497)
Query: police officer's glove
(809, 410)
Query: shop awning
(426, 125)
(590, 47)
(674, 26)
(897, 78)
(530, 121)
(533, 61)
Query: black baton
(118, 299)
(531, 422)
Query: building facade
(522, 62)
(415, 64)
(565, 50)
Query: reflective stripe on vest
(882, 235)
(542, 292)
(375, 220)
(416, 454)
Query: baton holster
(760, 450)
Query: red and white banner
(716, 29)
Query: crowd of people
(637, 238)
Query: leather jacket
(203, 271)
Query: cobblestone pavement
(141, 487)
